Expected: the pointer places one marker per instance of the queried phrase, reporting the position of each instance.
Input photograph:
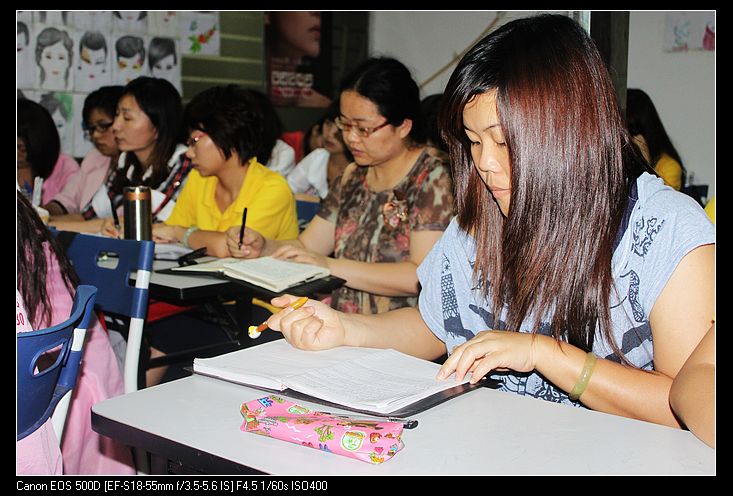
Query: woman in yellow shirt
(225, 131)
(652, 140)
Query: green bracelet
(584, 378)
(184, 239)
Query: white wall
(682, 87)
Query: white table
(196, 421)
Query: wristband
(187, 234)
(584, 377)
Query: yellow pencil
(255, 331)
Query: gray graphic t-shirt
(664, 225)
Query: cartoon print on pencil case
(324, 447)
(364, 424)
(298, 410)
(324, 432)
(352, 440)
(644, 233)
(374, 437)
(265, 402)
(451, 316)
(276, 399)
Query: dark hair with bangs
(389, 85)
(572, 164)
(234, 120)
(160, 101)
(103, 99)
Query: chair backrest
(40, 390)
(117, 295)
(306, 210)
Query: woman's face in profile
(298, 33)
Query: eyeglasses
(102, 128)
(190, 142)
(363, 132)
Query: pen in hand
(241, 228)
(255, 331)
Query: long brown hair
(32, 266)
(571, 167)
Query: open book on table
(366, 380)
(267, 272)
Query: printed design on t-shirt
(513, 383)
(451, 316)
(548, 392)
(488, 318)
(633, 294)
(634, 338)
(644, 233)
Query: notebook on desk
(266, 272)
(365, 380)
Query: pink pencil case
(370, 441)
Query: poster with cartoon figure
(52, 17)
(163, 60)
(200, 33)
(82, 143)
(129, 58)
(686, 31)
(53, 48)
(99, 20)
(92, 65)
(60, 106)
(164, 23)
(25, 69)
(130, 21)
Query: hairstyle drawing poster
(200, 33)
(60, 106)
(100, 20)
(81, 142)
(52, 17)
(164, 56)
(130, 21)
(130, 56)
(298, 58)
(164, 23)
(93, 64)
(53, 49)
(25, 68)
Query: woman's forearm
(613, 388)
(386, 279)
(403, 330)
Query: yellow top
(266, 195)
(670, 171)
(710, 209)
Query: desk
(196, 421)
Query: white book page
(279, 273)
(382, 382)
(266, 365)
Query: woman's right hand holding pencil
(314, 326)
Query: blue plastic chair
(306, 210)
(48, 392)
(117, 296)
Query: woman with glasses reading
(383, 215)
(98, 116)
